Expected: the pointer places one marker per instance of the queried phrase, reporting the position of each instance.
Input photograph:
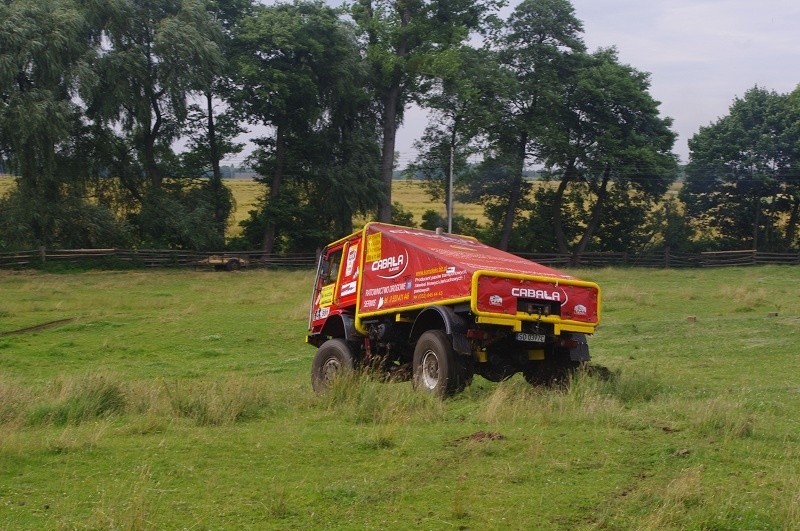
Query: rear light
(568, 344)
(474, 333)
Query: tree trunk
(791, 225)
(151, 167)
(275, 189)
(220, 205)
(391, 107)
(594, 220)
(390, 102)
(515, 194)
(558, 201)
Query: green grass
(183, 400)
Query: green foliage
(401, 216)
(431, 220)
(405, 44)
(300, 72)
(74, 223)
(143, 82)
(742, 180)
(179, 218)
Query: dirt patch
(480, 436)
(36, 328)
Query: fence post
(42, 254)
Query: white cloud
(701, 53)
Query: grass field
(167, 399)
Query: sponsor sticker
(352, 254)
(374, 242)
(348, 289)
(326, 295)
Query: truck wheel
(333, 358)
(435, 367)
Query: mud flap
(461, 344)
(581, 351)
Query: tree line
(115, 116)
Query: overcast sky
(701, 54)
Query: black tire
(435, 368)
(333, 358)
(232, 265)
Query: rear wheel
(333, 358)
(435, 368)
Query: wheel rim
(330, 369)
(430, 370)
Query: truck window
(330, 267)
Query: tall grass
(77, 400)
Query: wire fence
(256, 259)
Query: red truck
(439, 308)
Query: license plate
(530, 338)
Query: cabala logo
(579, 309)
(536, 294)
(496, 300)
(391, 267)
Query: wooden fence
(255, 259)
(153, 258)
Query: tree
(45, 53)
(460, 100)
(144, 84)
(403, 38)
(211, 130)
(743, 177)
(535, 47)
(300, 73)
(608, 138)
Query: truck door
(325, 287)
(347, 291)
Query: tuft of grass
(216, 402)
(363, 399)
(80, 400)
(14, 400)
(722, 417)
(129, 508)
(672, 501)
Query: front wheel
(333, 358)
(435, 368)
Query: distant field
(409, 194)
(246, 193)
(6, 184)
(175, 399)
